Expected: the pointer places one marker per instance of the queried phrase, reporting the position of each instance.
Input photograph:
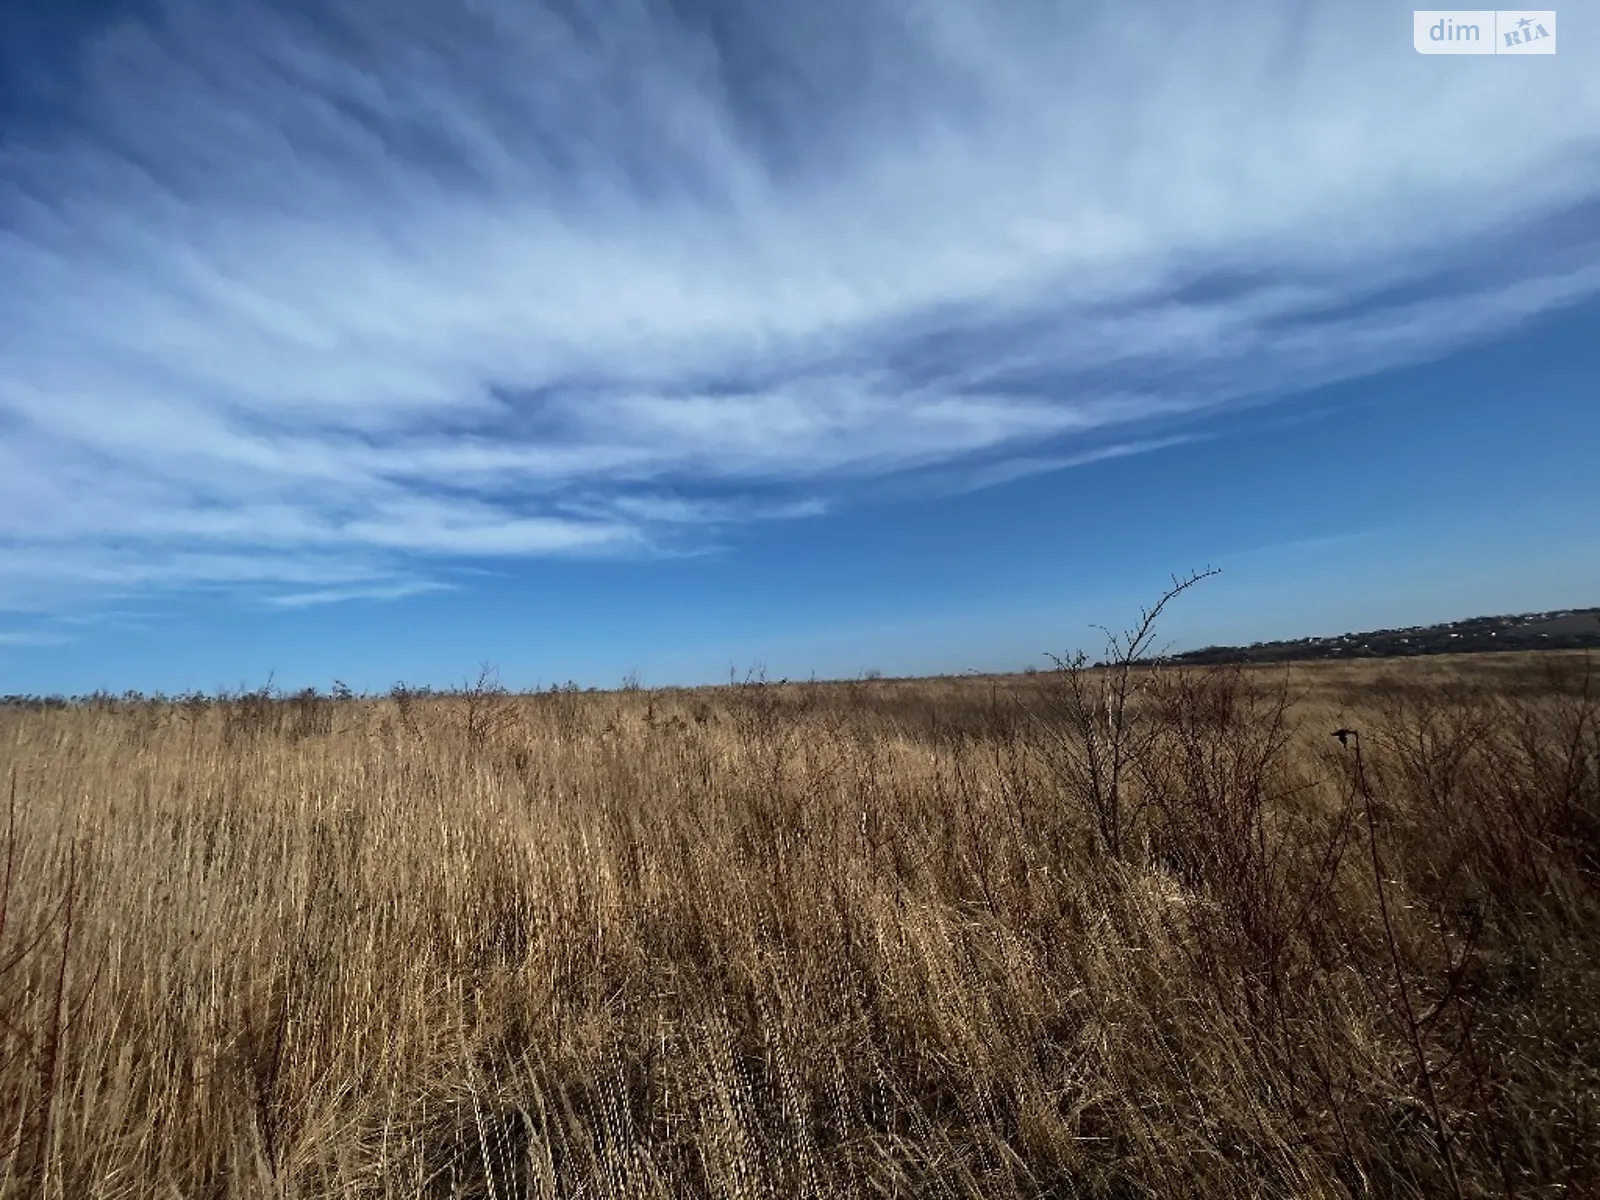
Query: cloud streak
(322, 596)
(29, 638)
(324, 301)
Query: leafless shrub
(249, 714)
(310, 715)
(1403, 1007)
(489, 710)
(1096, 727)
(407, 703)
(1226, 819)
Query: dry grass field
(965, 937)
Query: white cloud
(32, 637)
(313, 306)
(320, 596)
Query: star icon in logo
(1525, 22)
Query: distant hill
(1569, 629)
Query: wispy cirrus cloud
(314, 303)
(320, 596)
(14, 638)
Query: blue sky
(373, 341)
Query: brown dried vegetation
(885, 938)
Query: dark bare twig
(1102, 740)
(1413, 1028)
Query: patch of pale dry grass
(797, 940)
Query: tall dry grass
(821, 940)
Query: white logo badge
(1483, 31)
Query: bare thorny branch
(1412, 1027)
(1100, 739)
